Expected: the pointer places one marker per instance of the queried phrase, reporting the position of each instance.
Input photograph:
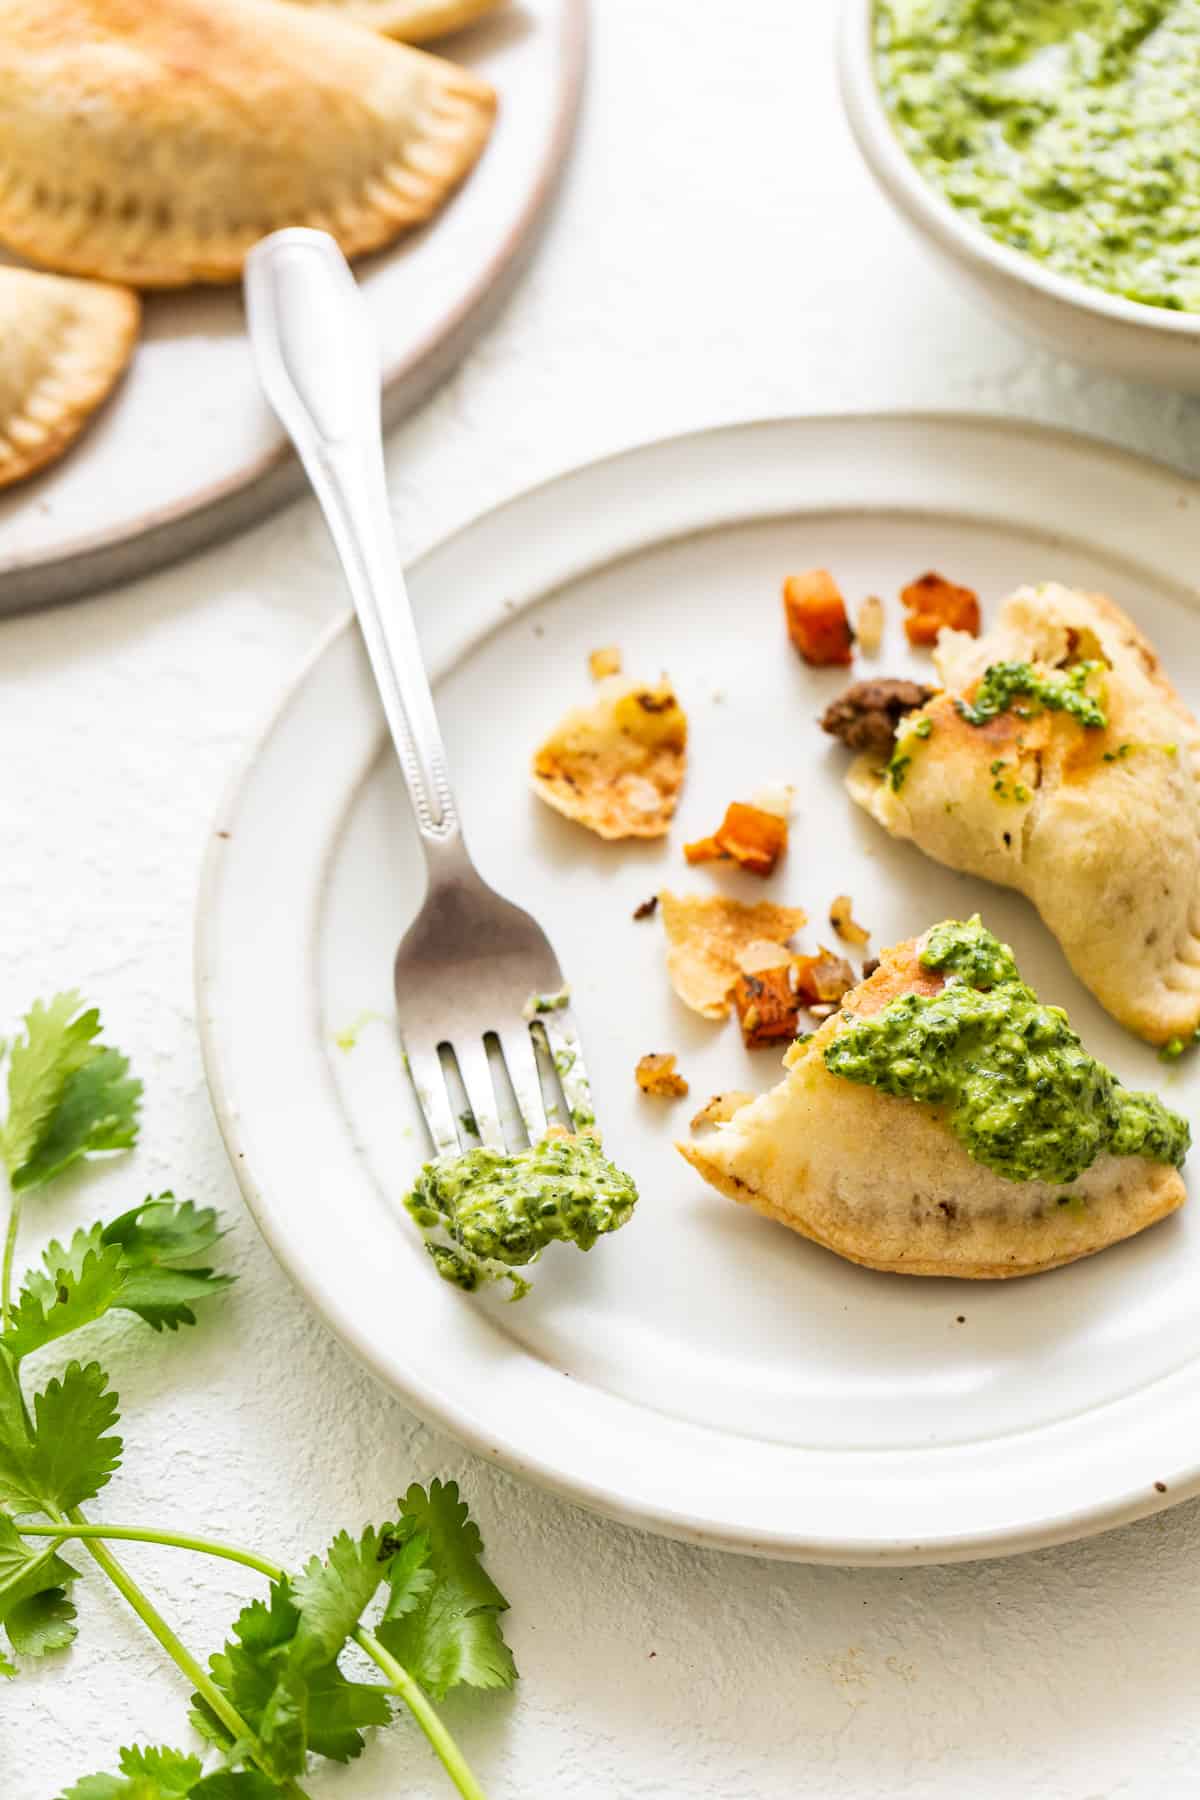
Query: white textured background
(718, 252)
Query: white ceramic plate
(188, 450)
(704, 1373)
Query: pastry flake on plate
(617, 765)
(63, 346)
(1084, 797)
(413, 20)
(888, 1181)
(155, 144)
(707, 936)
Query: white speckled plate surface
(189, 421)
(704, 1373)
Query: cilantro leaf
(164, 1231)
(174, 1771)
(332, 1596)
(41, 1623)
(451, 1633)
(66, 1457)
(128, 1264)
(26, 1571)
(409, 1577)
(68, 1095)
(281, 1672)
(171, 1775)
(73, 1459)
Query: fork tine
(425, 1068)
(476, 1075)
(517, 1045)
(563, 1038)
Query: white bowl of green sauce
(1048, 152)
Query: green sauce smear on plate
(1066, 128)
(1022, 1094)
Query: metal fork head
(469, 973)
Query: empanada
(63, 346)
(415, 21)
(888, 1181)
(1092, 812)
(156, 143)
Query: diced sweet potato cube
(768, 1007)
(748, 835)
(754, 838)
(817, 621)
(704, 850)
(933, 602)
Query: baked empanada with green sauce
(885, 1181)
(414, 21)
(155, 143)
(63, 346)
(1098, 824)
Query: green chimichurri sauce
(1058, 690)
(1022, 1093)
(1065, 127)
(490, 1207)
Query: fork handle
(318, 365)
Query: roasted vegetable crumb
(843, 922)
(934, 602)
(868, 625)
(822, 977)
(656, 1074)
(768, 1007)
(816, 618)
(602, 663)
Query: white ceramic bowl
(1145, 342)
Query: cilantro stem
(10, 1248)
(413, 1696)
(136, 1534)
(74, 1524)
(399, 1681)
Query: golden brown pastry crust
(1107, 842)
(63, 346)
(155, 144)
(885, 1183)
(413, 21)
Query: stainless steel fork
(477, 981)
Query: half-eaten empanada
(617, 765)
(155, 144)
(946, 1123)
(415, 21)
(1060, 761)
(63, 347)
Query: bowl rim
(959, 236)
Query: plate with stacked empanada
(917, 1007)
(145, 149)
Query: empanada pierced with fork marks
(63, 346)
(156, 143)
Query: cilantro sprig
(411, 1593)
